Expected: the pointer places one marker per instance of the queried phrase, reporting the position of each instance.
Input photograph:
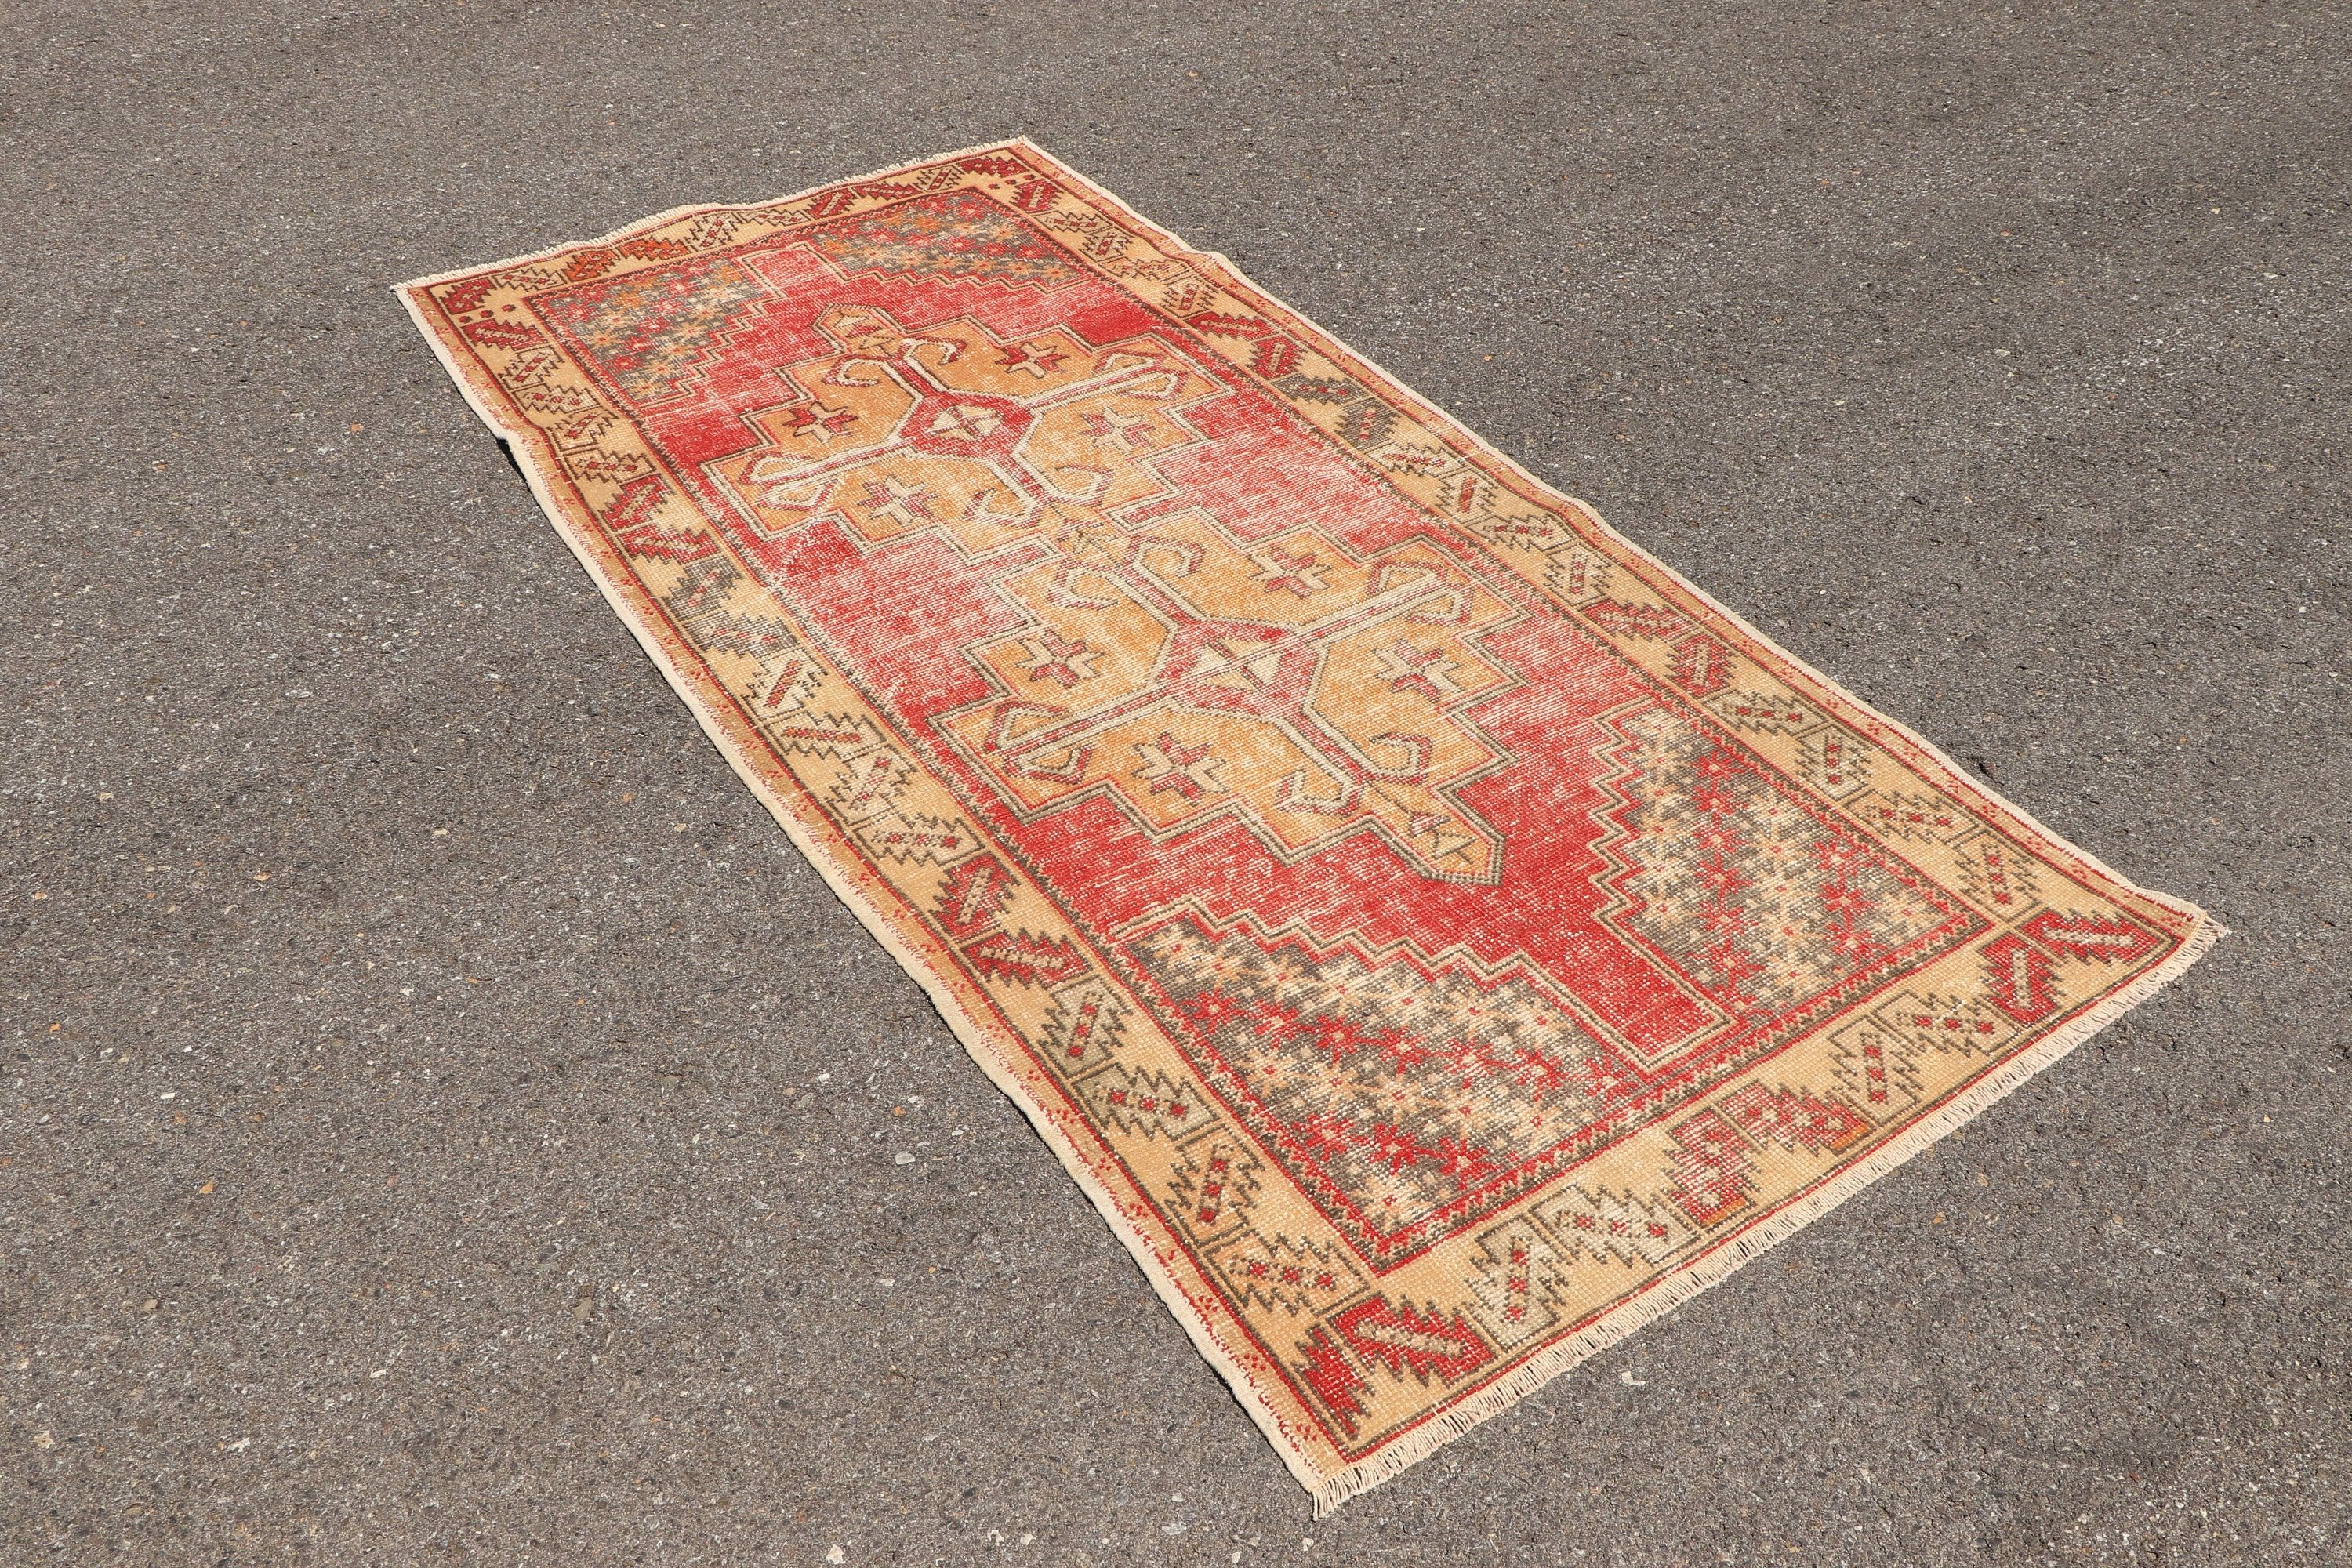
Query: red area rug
(1439, 938)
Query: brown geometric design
(1086, 1027)
(1298, 1277)
(1877, 1057)
(1216, 1179)
(1617, 1227)
(1520, 1282)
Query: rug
(1438, 937)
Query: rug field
(1438, 937)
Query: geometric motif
(1333, 1379)
(1877, 1058)
(1436, 935)
(1793, 1119)
(1617, 1227)
(1302, 1278)
(1085, 1026)
(2097, 940)
(1994, 877)
(2018, 976)
(1833, 761)
(913, 838)
(1421, 1342)
(1712, 1166)
(1143, 1103)
(1912, 816)
(1519, 1281)
(653, 331)
(1216, 1182)
(953, 236)
(974, 894)
(1763, 899)
(1190, 677)
(1023, 959)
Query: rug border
(1671, 1290)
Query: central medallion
(1287, 683)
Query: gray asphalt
(446, 1121)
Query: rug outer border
(1666, 1294)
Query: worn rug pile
(1439, 937)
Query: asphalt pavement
(446, 1121)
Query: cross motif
(1060, 659)
(1427, 671)
(1170, 765)
(900, 502)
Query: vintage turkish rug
(1438, 937)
